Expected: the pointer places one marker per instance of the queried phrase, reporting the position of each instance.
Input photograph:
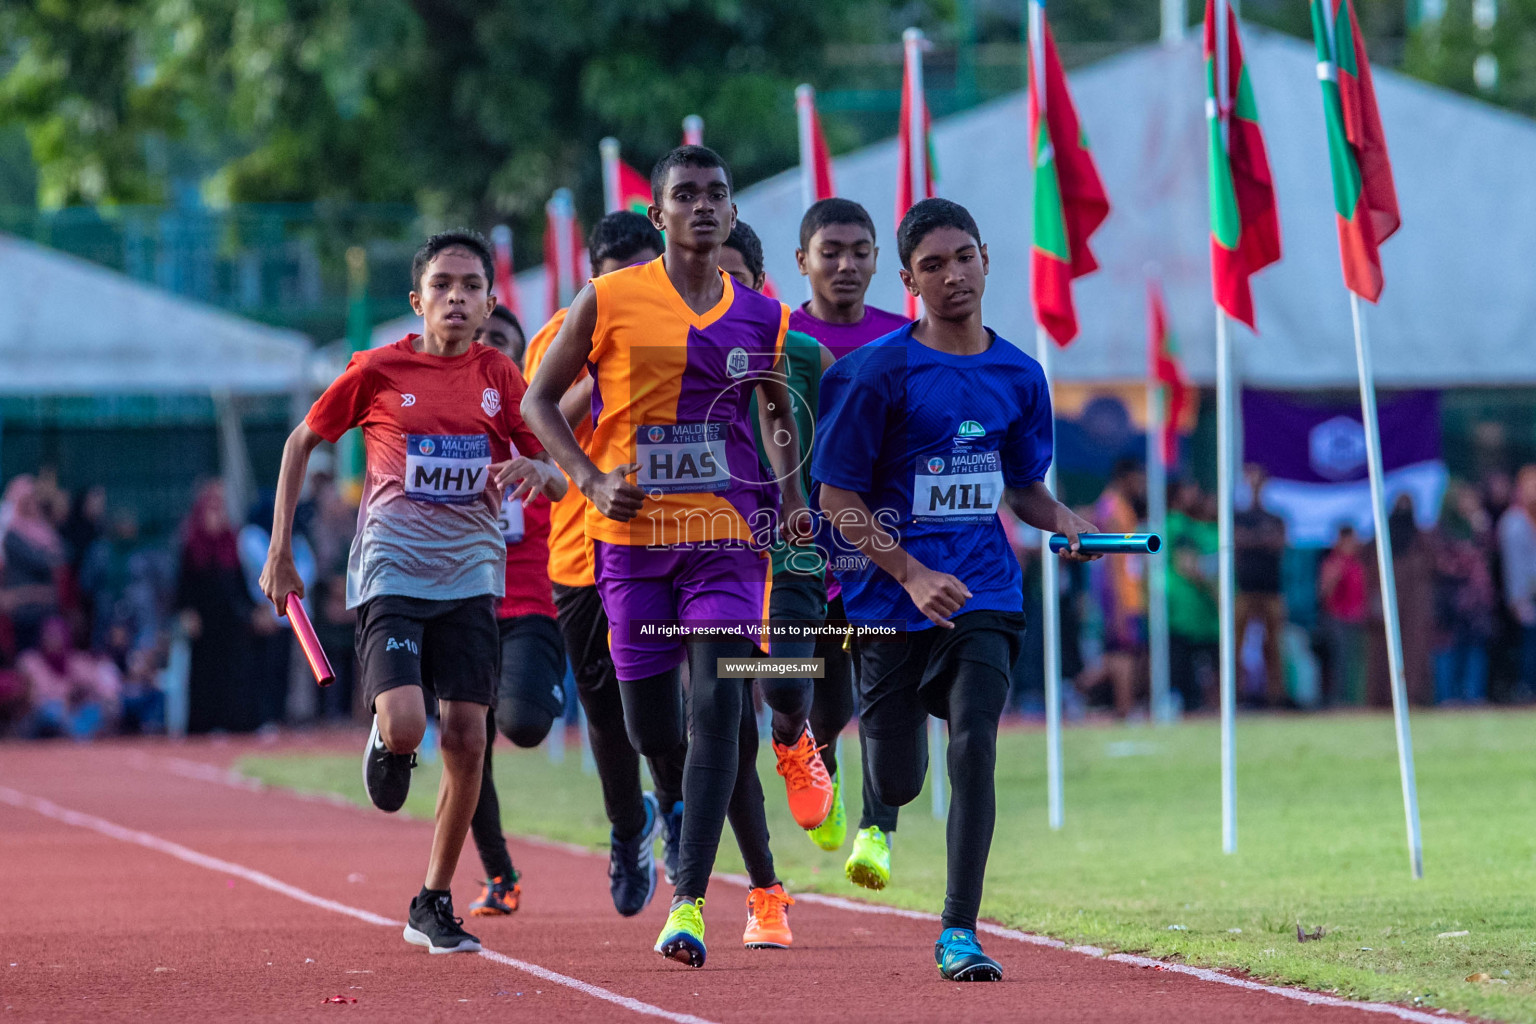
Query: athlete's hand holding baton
(319, 664)
(281, 583)
(1111, 543)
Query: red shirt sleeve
(512, 387)
(344, 404)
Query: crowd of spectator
(1310, 623)
(96, 620)
(102, 630)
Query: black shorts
(451, 649)
(584, 626)
(532, 662)
(902, 682)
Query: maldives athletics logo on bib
(935, 465)
(490, 401)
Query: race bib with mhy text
(448, 469)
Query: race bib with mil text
(958, 486)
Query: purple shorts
(655, 596)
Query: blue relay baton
(1111, 543)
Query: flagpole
(1225, 464)
(1157, 577)
(1388, 587)
(804, 97)
(609, 150)
(563, 207)
(917, 138)
(1050, 625)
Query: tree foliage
(470, 109)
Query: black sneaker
(386, 776)
(433, 925)
(632, 865)
(672, 840)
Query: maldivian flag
(505, 285)
(815, 159)
(1363, 195)
(563, 255)
(624, 188)
(1245, 223)
(917, 170)
(1069, 198)
(1168, 372)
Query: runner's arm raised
(279, 577)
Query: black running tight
(657, 717)
(898, 763)
(831, 710)
(584, 627)
(796, 601)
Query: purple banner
(1314, 443)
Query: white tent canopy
(1457, 310)
(1458, 307)
(68, 326)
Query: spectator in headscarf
(216, 614)
(31, 562)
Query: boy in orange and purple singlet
(676, 351)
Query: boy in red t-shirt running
(444, 437)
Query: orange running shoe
(498, 898)
(767, 919)
(806, 781)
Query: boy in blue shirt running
(922, 435)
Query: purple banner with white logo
(1315, 455)
(1325, 443)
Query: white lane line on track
(230, 777)
(1202, 973)
(49, 809)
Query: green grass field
(1139, 866)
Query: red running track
(142, 883)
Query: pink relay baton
(319, 664)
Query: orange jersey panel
(673, 390)
(570, 553)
